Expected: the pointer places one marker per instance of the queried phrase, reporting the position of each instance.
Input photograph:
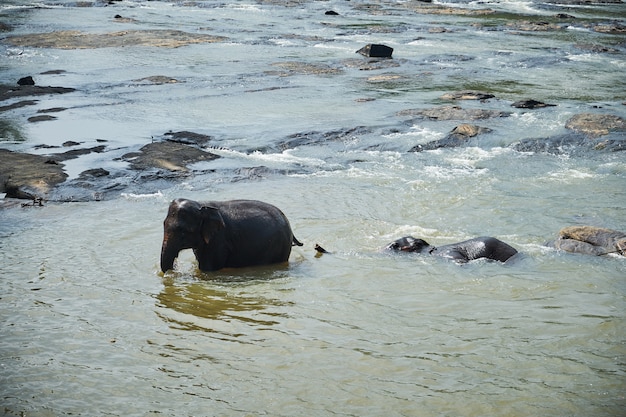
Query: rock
(457, 137)
(9, 92)
(591, 240)
(374, 50)
(453, 113)
(189, 138)
(157, 79)
(292, 68)
(331, 13)
(467, 95)
(170, 156)
(572, 143)
(530, 104)
(26, 81)
(72, 39)
(594, 125)
(42, 118)
(94, 173)
(28, 176)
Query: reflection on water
(210, 300)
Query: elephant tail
(296, 242)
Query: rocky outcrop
(28, 176)
(459, 136)
(591, 240)
(374, 50)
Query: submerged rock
(453, 113)
(457, 137)
(467, 95)
(72, 39)
(573, 143)
(26, 81)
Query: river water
(91, 327)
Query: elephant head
(188, 225)
(410, 244)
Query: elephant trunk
(169, 252)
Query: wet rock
(591, 240)
(26, 81)
(610, 28)
(467, 95)
(28, 176)
(570, 143)
(42, 118)
(8, 92)
(331, 13)
(530, 104)
(157, 80)
(94, 173)
(453, 113)
(170, 156)
(71, 39)
(188, 138)
(457, 137)
(316, 138)
(593, 124)
(290, 68)
(370, 64)
(374, 50)
(528, 26)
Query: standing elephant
(479, 247)
(226, 234)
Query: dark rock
(69, 143)
(94, 173)
(594, 125)
(28, 176)
(331, 13)
(42, 118)
(75, 153)
(457, 137)
(189, 138)
(570, 143)
(9, 92)
(170, 156)
(530, 104)
(564, 16)
(467, 95)
(26, 81)
(374, 50)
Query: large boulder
(591, 240)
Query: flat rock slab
(453, 113)
(72, 39)
(28, 176)
(593, 124)
(170, 156)
(11, 91)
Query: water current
(90, 326)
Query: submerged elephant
(226, 234)
(591, 240)
(480, 247)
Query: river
(90, 326)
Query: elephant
(461, 252)
(226, 234)
(590, 240)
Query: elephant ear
(212, 221)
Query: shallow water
(90, 325)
